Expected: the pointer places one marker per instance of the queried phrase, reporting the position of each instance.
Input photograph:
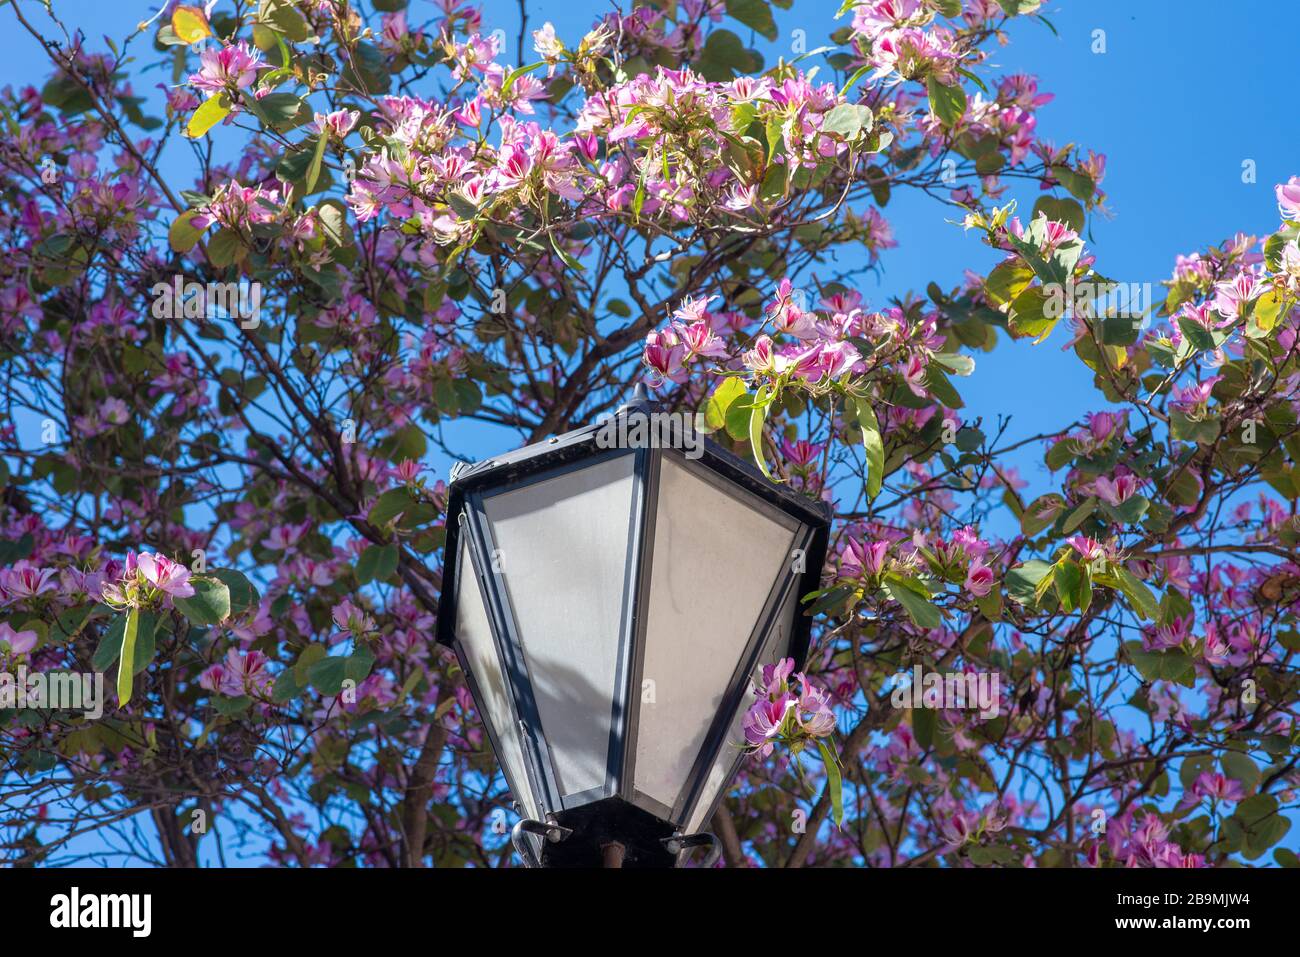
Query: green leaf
(1200, 337)
(1130, 511)
(1061, 454)
(923, 612)
(1079, 515)
(286, 687)
(225, 248)
(872, 444)
(1140, 597)
(15, 550)
(333, 218)
(757, 417)
(1073, 585)
(1066, 211)
(243, 594)
(961, 365)
(1022, 581)
(181, 236)
(231, 706)
(1240, 767)
(829, 600)
(564, 255)
(1186, 429)
(109, 649)
(948, 103)
(356, 666)
(286, 19)
(306, 660)
(327, 675)
(755, 14)
(388, 506)
(925, 721)
(775, 136)
(317, 157)
(377, 563)
(858, 74)
(1173, 665)
(939, 386)
(1007, 281)
(724, 55)
(1147, 663)
(210, 112)
(848, 120)
(284, 111)
(834, 783)
(210, 603)
(125, 671)
(1027, 316)
(968, 438)
(715, 410)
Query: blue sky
(1184, 94)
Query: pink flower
(763, 722)
(1231, 296)
(955, 829)
(914, 375)
(547, 44)
(872, 18)
(348, 617)
(1191, 397)
(1288, 198)
(337, 124)
(968, 539)
(240, 674)
(826, 360)
(700, 341)
(664, 354)
(1056, 234)
(166, 575)
(19, 642)
(1172, 635)
(801, 453)
(1213, 785)
(762, 358)
(1102, 425)
(859, 559)
(1116, 491)
(232, 67)
(285, 538)
(25, 581)
(213, 678)
(1089, 549)
(786, 315)
(407, 471)
(979, 580)
(813, 713)
(512, 169)
(774, 679)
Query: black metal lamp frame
(578, 825)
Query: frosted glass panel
(716, 558)
(776, 646)
(562, 548)
(474, 633)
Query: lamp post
(609, 594)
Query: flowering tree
(222, 386)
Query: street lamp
(609, 594)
